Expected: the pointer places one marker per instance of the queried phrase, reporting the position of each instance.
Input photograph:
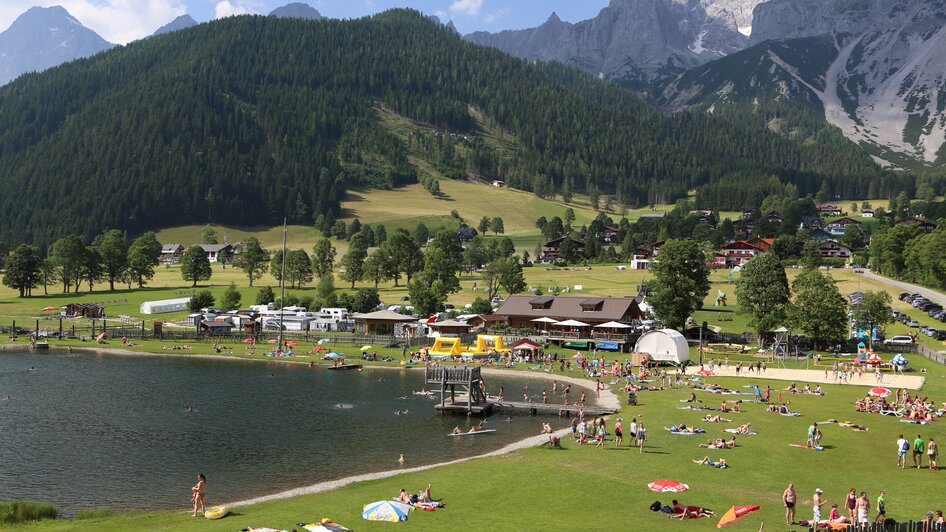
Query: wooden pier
(471, 398)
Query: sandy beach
(817, 376)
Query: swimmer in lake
(456, 430)
(400, 460)
(190, 408)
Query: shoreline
(608, 399)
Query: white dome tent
(664, 345)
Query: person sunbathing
(682, 427)
(714, 444)
(806, 389)
(719, 464)
(724, 407)
(858, 428)
(818, 390)
(744, 429)
(692, 398)
(792, 388)
(715, 418)
(693, 512)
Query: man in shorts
(816, 504)
(918, 447)
(863, 509)
(881, 508)
(788, 498)
(902, 447)
(932, 450)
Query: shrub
(15, 512)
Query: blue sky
(121, 21)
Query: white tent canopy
(571, 323)
(613, 325)
(664, 345)
(543, 319)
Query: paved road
(932, 295)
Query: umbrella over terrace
(613, 325)
(571, 323)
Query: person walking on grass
(641, 436)
(918, 447)
(863, 509)
(931, 451)
(881, 508)
(618, 433)
(903, 446)
(788, 499)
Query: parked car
(913, 323)
(940, 335)
(904, 295)
(900, 339)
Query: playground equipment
(487, 346)
(732, 273)
(446, 347)
(720, 299)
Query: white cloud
(489, 18)
(470, 8)
(117, 21)
(225, 8)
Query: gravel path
(607, 399)
(816, 376)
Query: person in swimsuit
(851, 503)
(641, 436)
(618, 433)
(931, 452)
(788, 499)
(199, 493)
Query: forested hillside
(249, 119)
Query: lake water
(98, 430)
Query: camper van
(336, 313)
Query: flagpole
(282, 285)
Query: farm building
(664, 345)
(164, 306)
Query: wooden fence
(892, 526)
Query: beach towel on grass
(791, 414)
(684, 433)
(733, 431)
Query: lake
(96, 430)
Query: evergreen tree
(265, 296)
(231, 298)
(201, 300)
(421, 234)
(483, 227)
(496, 224)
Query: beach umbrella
(879, 392)
(335, 355)
(292, 343)
(664, 486)
(320, 348)
(323, 340)
(390, 511)
(273, 341)
(249, 341)
(47, 309)
(365, 347)
(735, 513)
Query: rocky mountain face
(180, 23)
(297, 10)
(873, 68)
(634, 41)
(44, 37)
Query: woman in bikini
(199, 493)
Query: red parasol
(249, 341)
(735, 513)
(880, 392)
(667, 486)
